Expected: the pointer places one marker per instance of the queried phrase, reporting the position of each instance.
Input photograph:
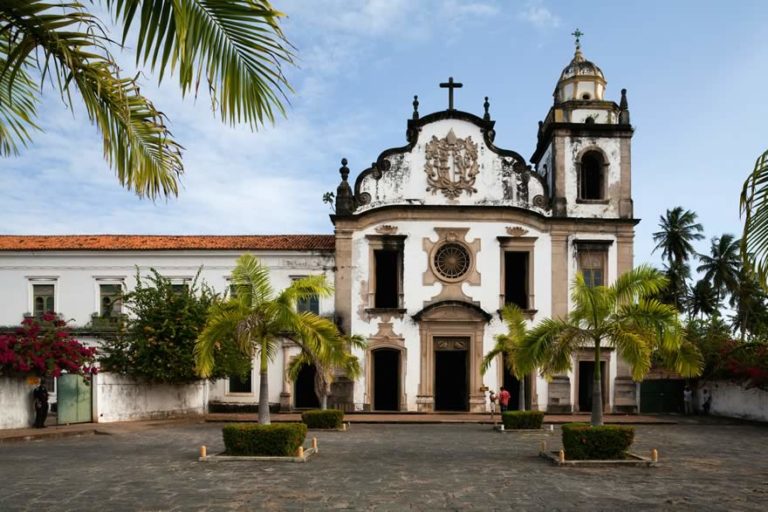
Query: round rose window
(452, 261)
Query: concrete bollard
(561, 456)
(203, 451)
(300, 453)
(655, 455)
(551, 428)
(314, 444)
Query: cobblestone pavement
(385, 467)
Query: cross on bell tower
(451, 85)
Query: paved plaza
(384, 467)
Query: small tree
(508, 345)
(332, 357)
(623, 316)
(256, 320)
(157, 341)
(44, 347)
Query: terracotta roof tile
(165, 242)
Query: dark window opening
(387, 278)
(516, 279)
(109, 300)
(238, 384)
(591, 179)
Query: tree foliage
(624, 316)
(236, 47)
(256, 320)
(157, 341)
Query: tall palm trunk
(264, 390)
(521, 394)
(321, 387)
(597, 390)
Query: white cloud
(539, 16)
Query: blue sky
(695, 73)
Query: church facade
(429, 244)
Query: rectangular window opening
(592, 261)
(516, 279)
(110, 304)
(43, 299)
(240, 385)
(387, 278)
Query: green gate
(661, 395)
(73, 397)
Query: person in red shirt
(504, 397)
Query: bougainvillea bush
(44, 347)
(746, 363)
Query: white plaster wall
(600, 116)
(406, 181)
(121, 398)
(16, 408)
(75, 275)
(415, 264)
(574, 147)
(734, 401)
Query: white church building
(428, 244)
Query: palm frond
(754, 207)
(221, 328)
(638, 283)
(136, 141)
(237, 46)
(549, 346)
(250, 280)
(634, 348)
(18, 103)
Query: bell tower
(584, 145)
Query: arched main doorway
(386, 379)
(304, 388)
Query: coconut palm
(677, 273)
(236, 47)
(721, 267)
(507, 345)
(331, 358)
(257, 320)
(702, 300)
(623, 316)
(678, 229)
(748, 300)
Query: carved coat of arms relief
(451, 165)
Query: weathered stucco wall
(734, 401)
(120, 398)
(16, 409)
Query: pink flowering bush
(44, 346)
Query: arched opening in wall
(304, 388)
(591, 176)
(386, 379)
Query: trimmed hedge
(327, 419)
(280, 439)
(582, 441)
(515, 420)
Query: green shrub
(522, 419)
(330, 418)
(280, 439)
(583, 441)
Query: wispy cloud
(538, 15)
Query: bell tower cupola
(581, 80)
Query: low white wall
(121, 398)
(16, 409)
(733, 401)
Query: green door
(73, 398)
(662, 396)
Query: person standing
(504, 397)
(688, 400)
(492, 399)
(706, 398)
(40, 396)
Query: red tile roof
(165, 242)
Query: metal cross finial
(451, 85)
(577, 34)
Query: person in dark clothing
(40, 395)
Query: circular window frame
(460, 277)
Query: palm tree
(677, 273)
(332, 357)
(678, 229)
(754, 207)
(721, 268)
(257, 319)
(236, 47)
(702, 299)
(507, 345)
(623, 316)
(749, 299)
